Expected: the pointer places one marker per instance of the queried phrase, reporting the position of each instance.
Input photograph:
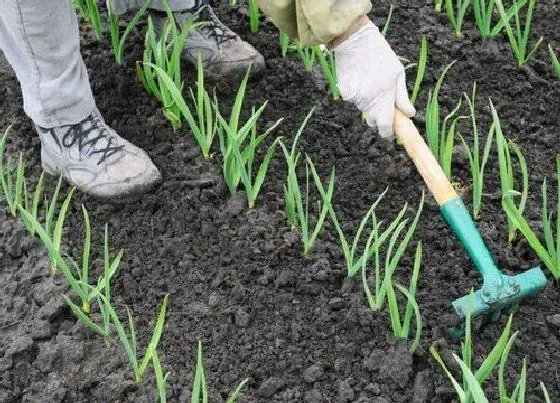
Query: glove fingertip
(386, 131)
(406, 107)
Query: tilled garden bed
(237, 280)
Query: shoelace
(79, 134)
(213, 27)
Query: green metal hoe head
(501, 293)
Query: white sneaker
(94, 158)
(222, 51)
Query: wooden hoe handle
(423, 158)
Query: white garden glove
(371, 76)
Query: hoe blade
(514, 290)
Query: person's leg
(40, 39)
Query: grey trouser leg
(41, 41)
(122, 6)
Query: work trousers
(41, 41)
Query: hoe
(499, 291)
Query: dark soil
(296, 326)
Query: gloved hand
(371, 76)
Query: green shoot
(297, 212)
(12, 188)
(506, 169)
(254, 17)
(433, 114)
(104, 283)
(84, 273)
(456, 14)
(447, 140)
(388, 22)
(93, 12)
(328, 65)
(483, 16)
(54, 233)
(90, 12)
(401, 329)
(164, 53)
(519, 40)
(291, 188)
(441, 138)
(307, 55)
(244, 164)
(32, 206)
(518, 393)
(287, 45)
(205, 129)
(237, 392)
(476, 164)
(128, 339)
(284, 40)
(438, 4)
(84, 318)
(420, 69)
(545, 393)
(199, 390)
(109, 269)
(238, 157)
(548, 253)
(82, 8)
(471, 389)
(161, 379)
(350, 252)
(76, 276)
(118, 41)
(555, 61)
(373, 250)
(50, 208)
(55, 254)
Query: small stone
(14, 244)
(41, 330)
(21, 345)
(554, 320)
(397, 364)
(373, 362)
(236, 204)
(198, 309)
(6, 364)
(347, 285)
(345, 393)
(241, 318)
(339, 365)
(313, 374)
(373, 388)
(269, 387)
(336, 303)
(423, 387)
(213, 300)
(460, 155)
(313, 396)
(284, 279)
(291, 237)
